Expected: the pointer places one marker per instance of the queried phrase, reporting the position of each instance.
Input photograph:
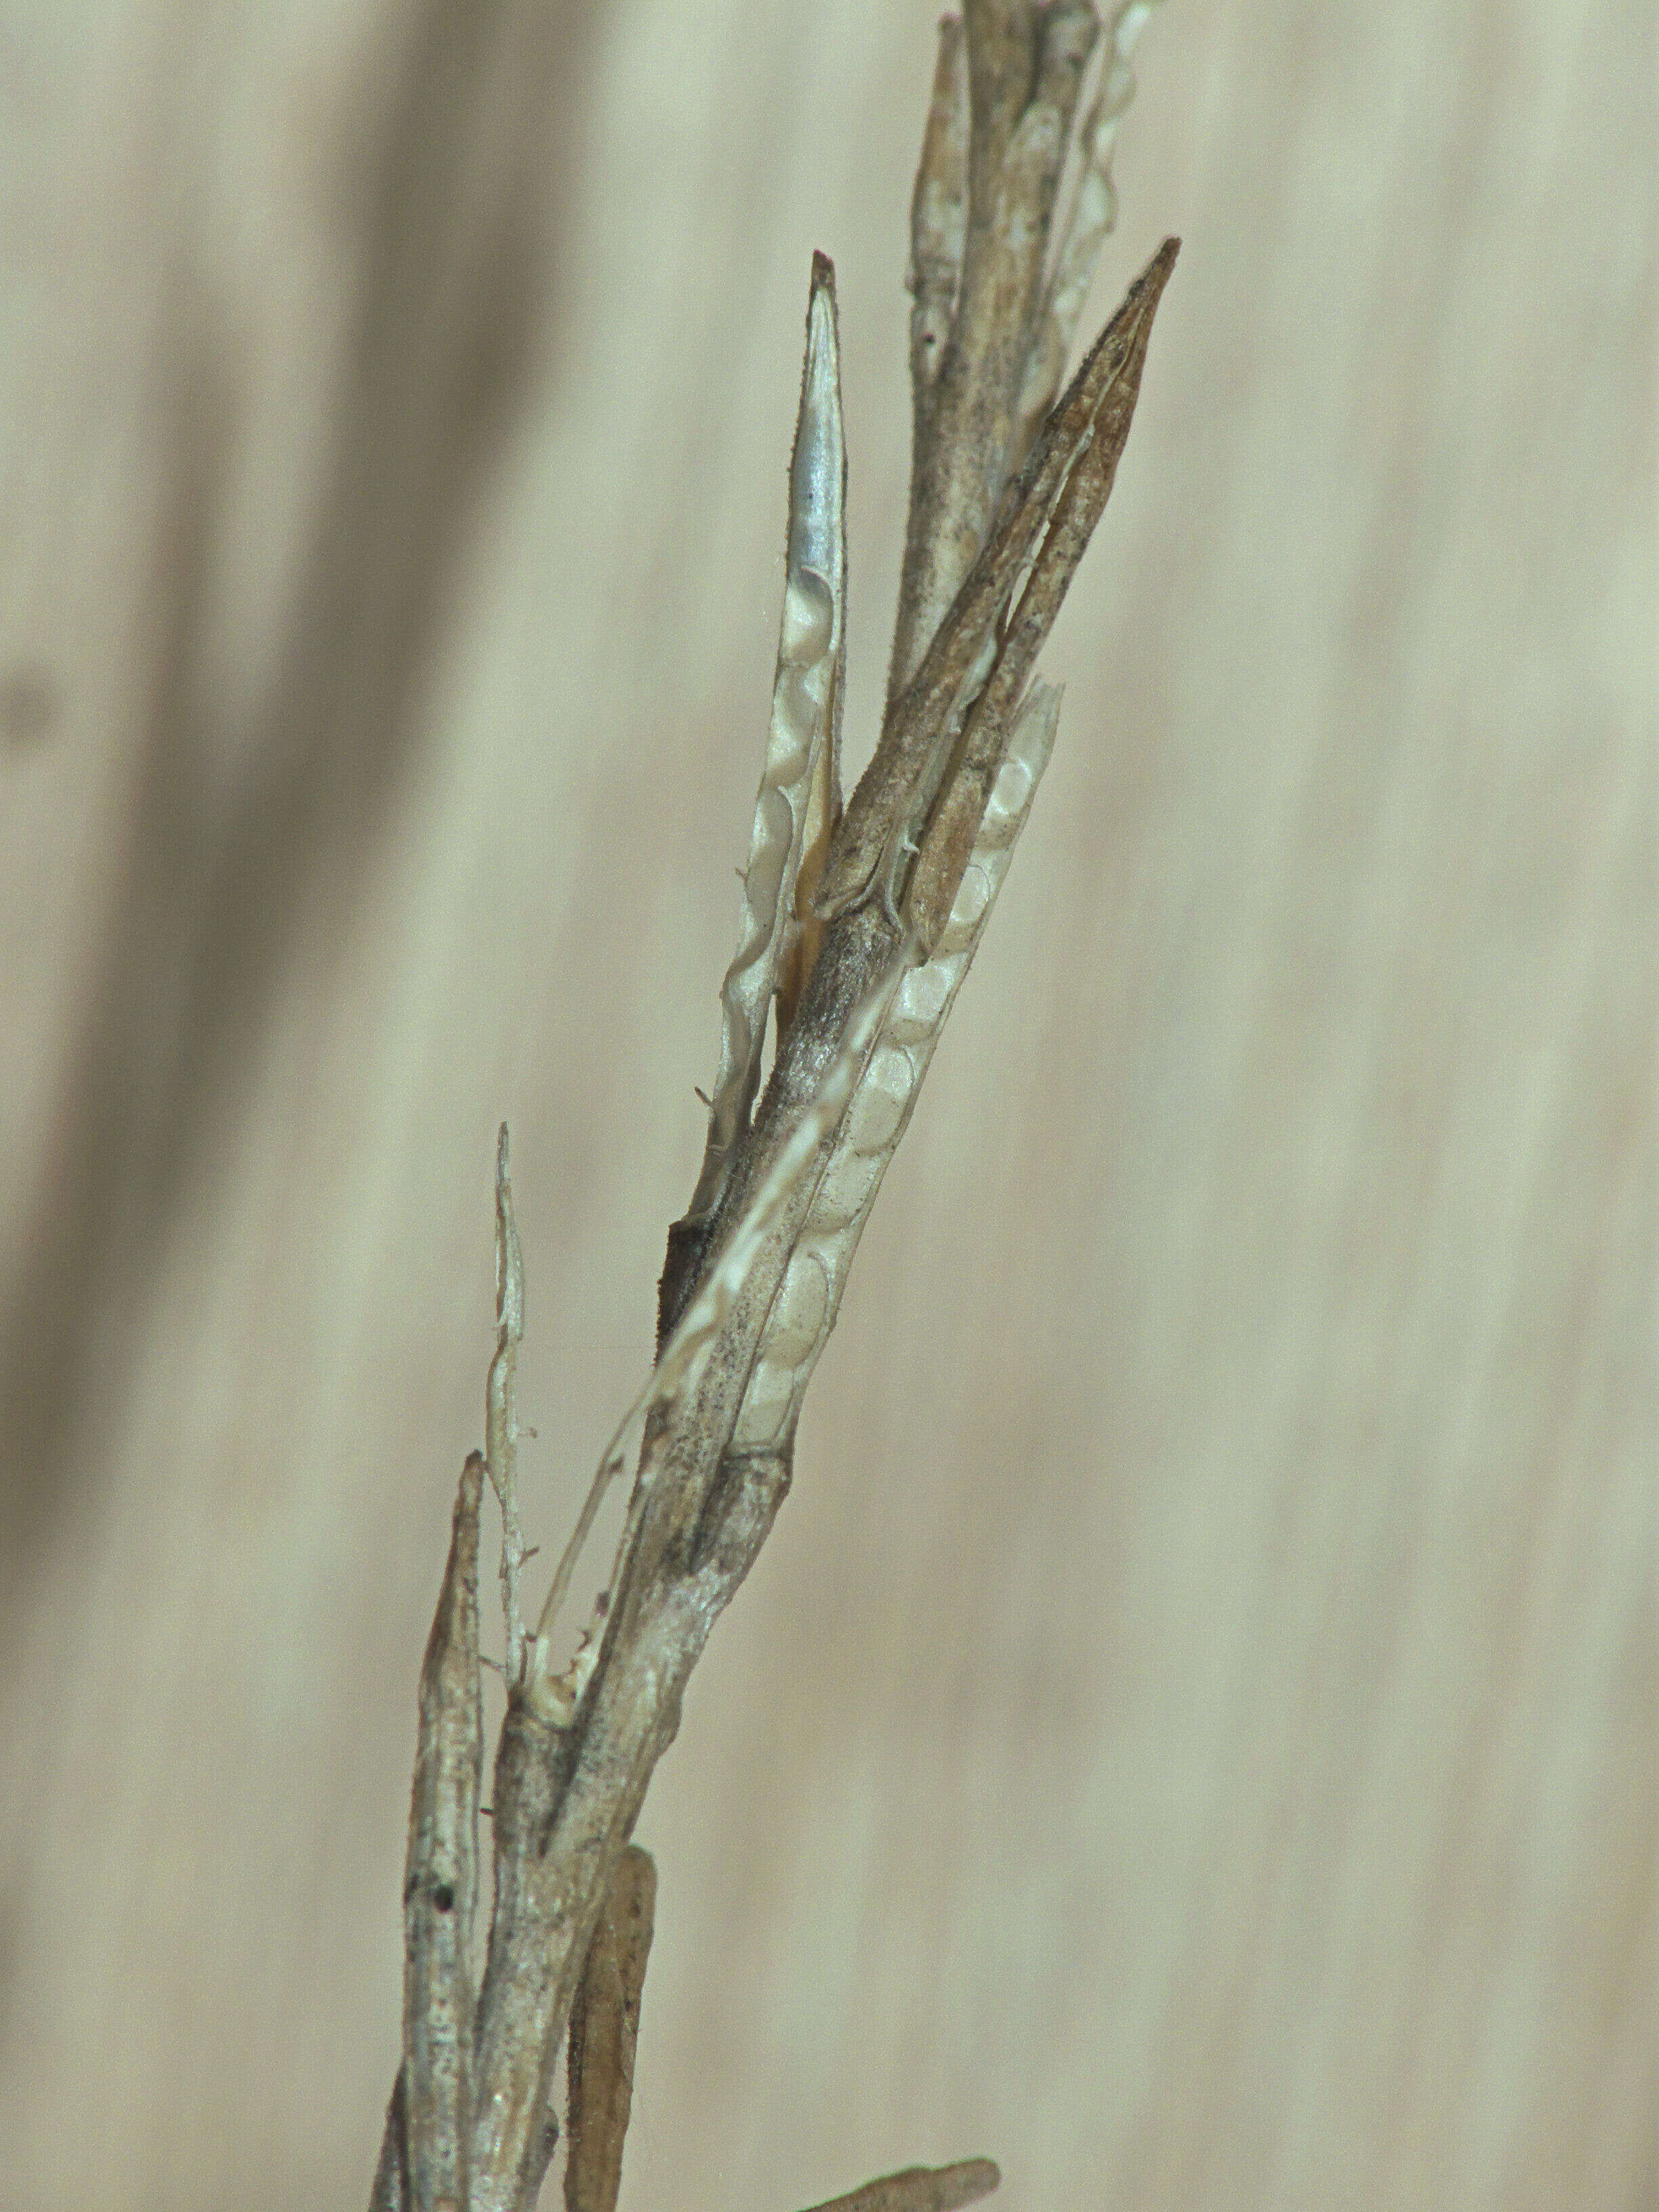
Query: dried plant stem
(803, 1311)
(569, 1778)
(1088, 220)
(565, 1800)
(939, 214)
(857, 929)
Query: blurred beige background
(1193, 1734)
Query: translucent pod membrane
(804, 1310)
(1088, 220)
(675, 1378)
(799, 787)
(800, 740)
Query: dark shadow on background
(456, 304)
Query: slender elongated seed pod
(804, 1310)
(800, 765)
(898, 789)
(500, 1412)
(554, 1697)
(953, 829)
(938, 215)
(1016, 96)
(441, 1879)
(1088, 221)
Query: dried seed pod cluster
(500, 1412)
(981, 648)
(855, 933)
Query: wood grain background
(1192, 1735)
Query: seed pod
(804, 1310)
(799, 800)
(555, 1697)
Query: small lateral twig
(920, 2188)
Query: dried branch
(857, 930)
(710, 1325)
(1101, 404)
(577, 1748)
(1024, 68)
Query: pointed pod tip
(976, 2177)
(1121, 346)
(821, 333)
(817, 467)
(1153, 277)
